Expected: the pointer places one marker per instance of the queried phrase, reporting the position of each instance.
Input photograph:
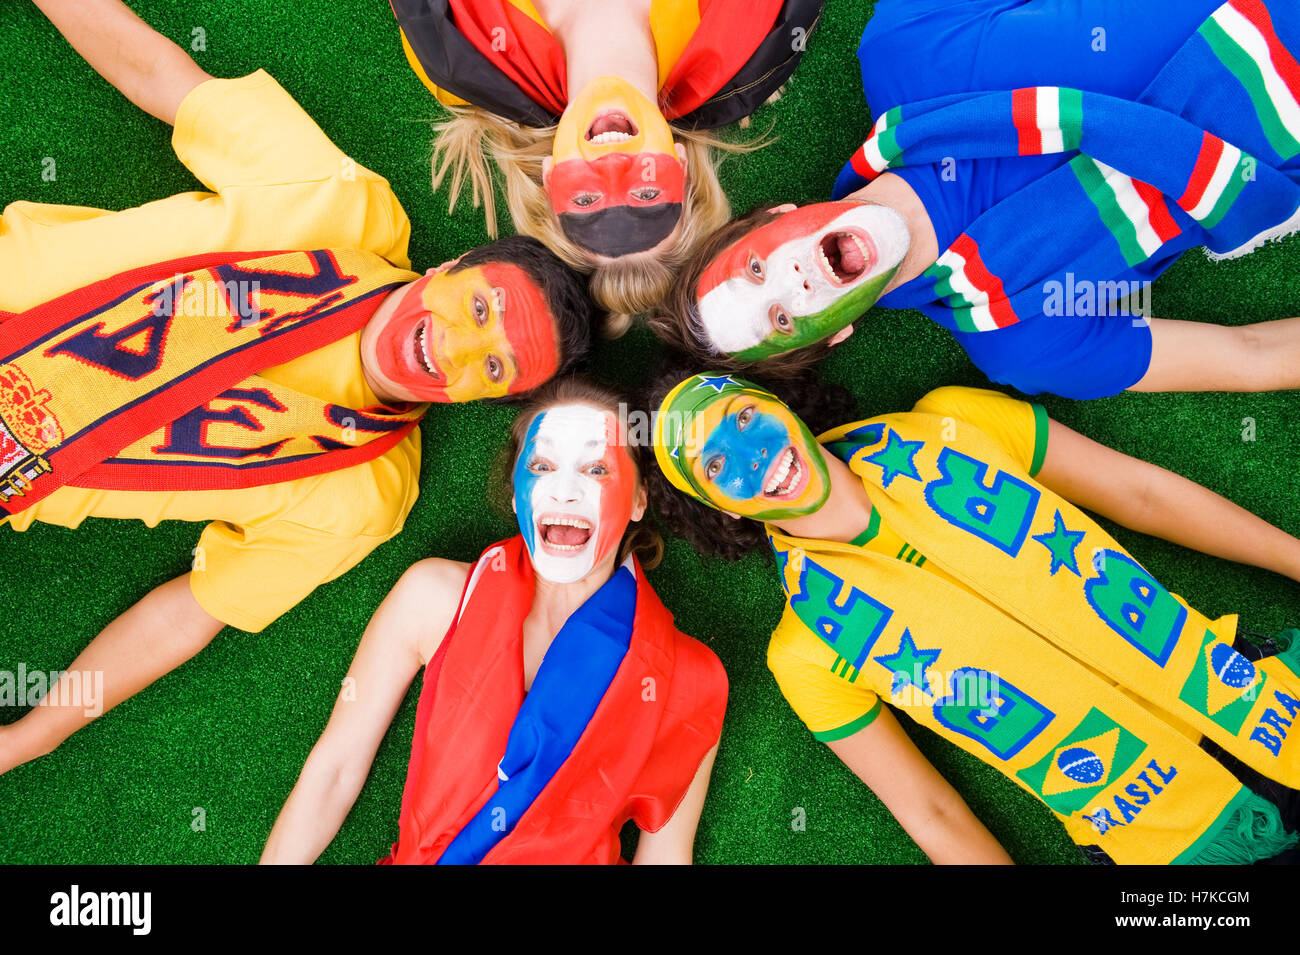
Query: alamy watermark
(1084, 298)
(71, 688)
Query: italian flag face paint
(800, 279)
(574, 488)
(738, 448)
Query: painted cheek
(525, 486)
(764, 242)
(740, 480)
(616, 493)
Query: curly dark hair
(677, 320)
(641, 537)
(564, 289)
(711, 532)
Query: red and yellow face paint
(461, 335)
(617, 183)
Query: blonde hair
(623, 287)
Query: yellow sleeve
(1019, 426)
(831, 706)
(247, 574)
(277, 181)
(249, 141)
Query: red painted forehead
(614, 177)
(529, 325)
(733, 261)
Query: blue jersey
(915, 50)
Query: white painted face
(800, 278)
(574, 488)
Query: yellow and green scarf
(1065, 664)
(117, 385)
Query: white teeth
(612, 136)
(779, 474)
(422, 350)
(567, 522)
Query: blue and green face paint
(800, 279)
(738, 448)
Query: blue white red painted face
(575, 488)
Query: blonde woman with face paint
(595, 112)
(559, 701)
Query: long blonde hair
(624, 287)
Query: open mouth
(612, 126)
(422, 352)
(846, 256)
(787, 477)
(562, 535)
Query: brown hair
(625, 286)
(677, 321)
(640, 538)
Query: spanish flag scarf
(1209, 155)
(124, 384)
(619, 715)
(1059, 661)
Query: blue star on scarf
(895, 459)
(1061, 543)
(908, 664)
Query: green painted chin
(811, 329)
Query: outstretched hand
(146, 67)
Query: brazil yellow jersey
(821, 687)
(277, 183)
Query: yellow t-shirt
(277, 183)
(820, 685)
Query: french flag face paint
(574, 490)
(801, 278)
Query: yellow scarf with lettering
(148, 380)
(1039, 667)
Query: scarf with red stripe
(619, 715)
(1207, 153)
(498, 55)
(148, 380)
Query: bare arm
(149, 640)
(1199, 356)
(402, 635)
(1155, 501)
(922, 801)
(674, 844)
(149, 70)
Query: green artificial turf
(228, 732)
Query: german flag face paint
(574, 486)
(617, 184)
(738, 448)
(800, 279)
(461, 335)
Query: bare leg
(151, 639)
(1197, 356)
